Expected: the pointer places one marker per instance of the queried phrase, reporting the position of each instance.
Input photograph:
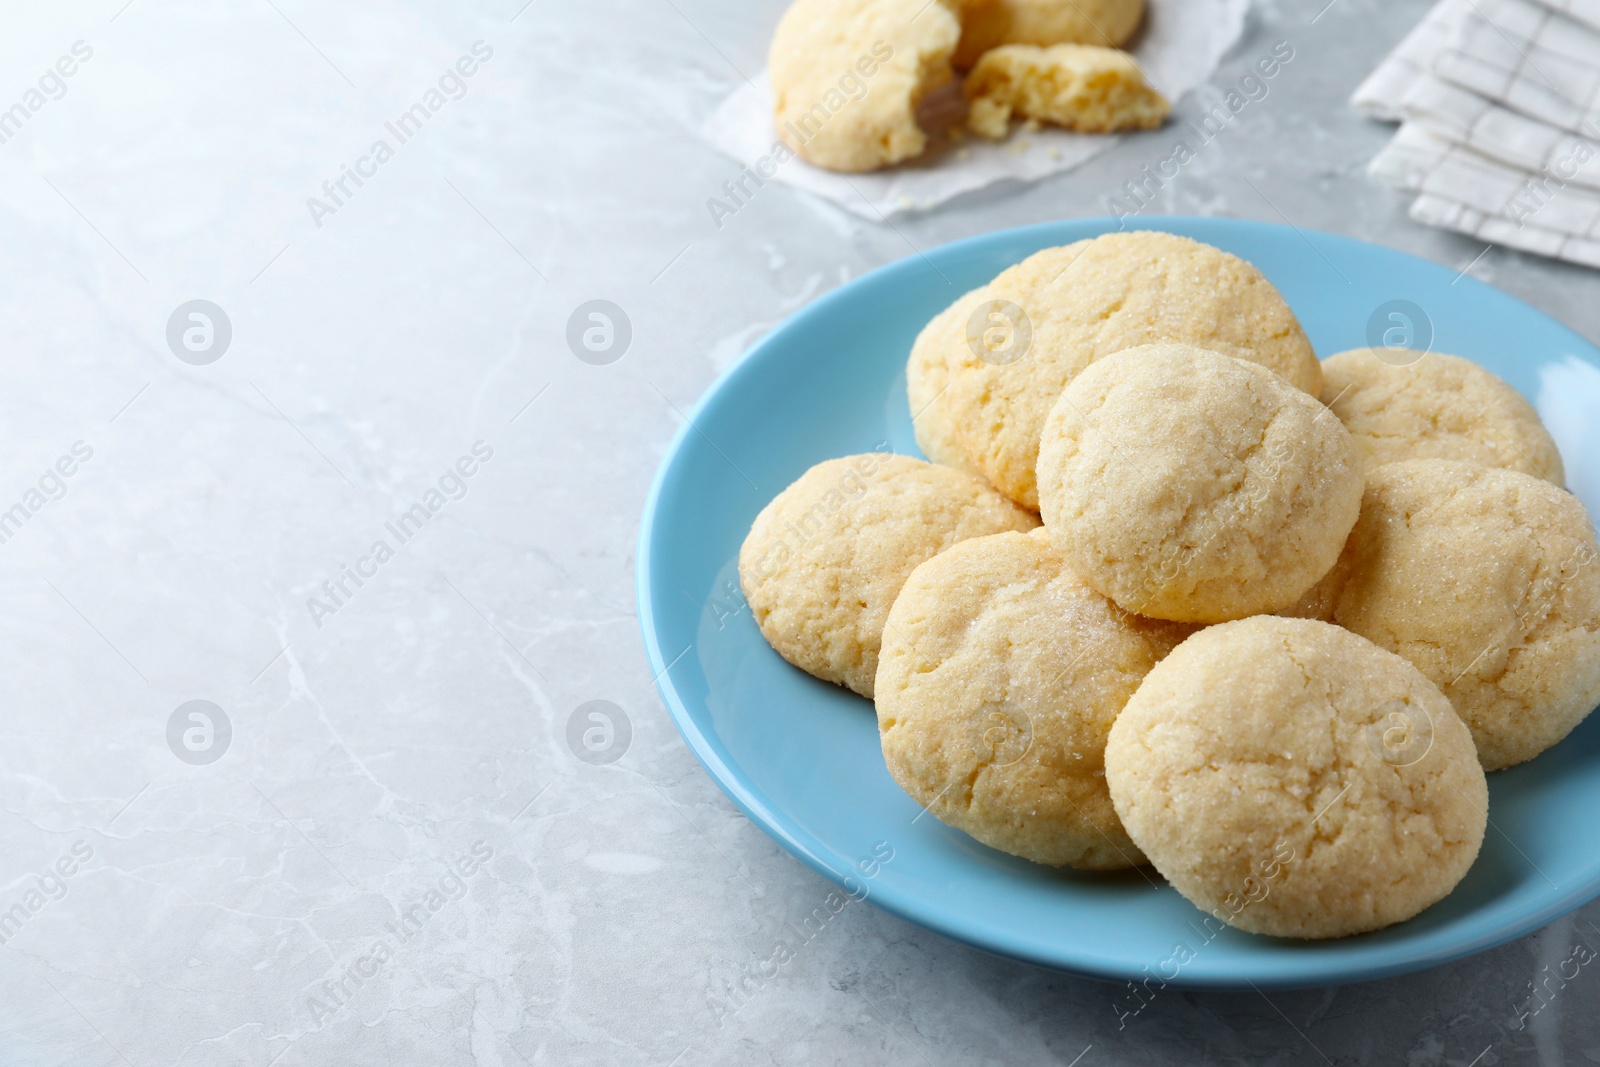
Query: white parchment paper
(1179, 47)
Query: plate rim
(772, 820)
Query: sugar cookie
(825, 559)
(1488, 580)
(1435, 407)
(1293, 779)
(1185, 484)
(1087, 300)
(987, 24)
(1000, 676)
(847, 76)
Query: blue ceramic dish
(801, 757)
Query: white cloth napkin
(1578, 10)
(1450, 113)
(1179, 48)
(1587, 11)
(1500, 105)
(1503, 205)
(1450, 214)
(1384, 91)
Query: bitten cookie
(1079, 86)
(847, 76)
(1293, 779)
(1488, 580)
(928, 381)
(825, 559)
(1439, 407)
(1000, 676)
(987, 24)
(1189, 485)
(1090, 299)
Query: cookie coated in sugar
(825, 559)
(1401, 405)
(1189, 485)
(847, 76)
(1000, 677)
(1087, 300)
(1291, 778)
(1489, 581)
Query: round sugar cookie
(1290, 778)
(987, 24)
(1078, 303)
(1000, 676)
(825, 559)
(1189, 485)
(1488, 580)
(1436, 407)
(847, 76)
(928, 381)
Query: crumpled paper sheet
(1179, 48)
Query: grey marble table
(370, 510)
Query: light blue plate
(801, 757)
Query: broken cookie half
(847, 76)
(1081, 87)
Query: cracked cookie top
(1000, 676)
(1081, 302)
(1188, 485)
(1401, 405)
(1489, 581)
(1291, 778)
(826, 557)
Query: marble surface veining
(386, 533)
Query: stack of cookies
(1172, 592)
(848, 75)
